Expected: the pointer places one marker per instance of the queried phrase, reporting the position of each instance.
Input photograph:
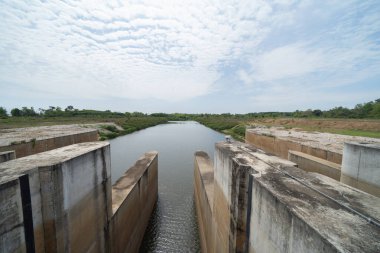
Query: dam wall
(57, 201)
(35, 145)
(280, 146)
(204, 196)
(361, 167)
(133, 198)
(265, 204)
(7, 156)
(62, 201)
(311, 163)
(317, 152)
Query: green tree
(317, 113)
(69, 108)
(3, 112)
(29, 112)
(15, 112)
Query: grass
(233, 127)
(352, 132)
(353, 127)
(129, 124)
(227, 125)
(16, 122)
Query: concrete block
(69, 193)
(41, 139)
(7, 156)
(286, 209)
(278, 141)
(204, 197)
(133, 198)
(12, 236)
(265, 142)
(361, 166)
(311, 163)
(231, 195)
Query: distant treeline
(366, 110)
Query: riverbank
(108, 128)
(352, 127)
(229, 124)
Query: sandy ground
(7, 136)
(326, 141)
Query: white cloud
(288, 61)
(161, 49)
(340, 52)
(173, 50)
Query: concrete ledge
(281, 208)
(37, 142)
(56, 196)
(311, 163)
(281, 146)
(204, 196)
(7, 156)
(133, 198)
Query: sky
(193, 56)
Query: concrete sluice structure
(250, 201)
(33, 140)
(62, 201)
(323, 153)
(7, 156)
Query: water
(173, 224)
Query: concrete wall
(133, 198)
(7, 156)
(361, 167)
(204, 196)
(264, 204)
(230, 201)
(281, 147)
(12, 238)
(65, 198)
(314, 164)
(38, 146)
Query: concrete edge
(123, 186)
(41, 160)
(203, 158)
(316, 159)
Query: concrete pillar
(7, 155)
(361, 166)
(57, 201)
(231, 177)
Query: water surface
(173, 225)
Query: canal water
(173, 225)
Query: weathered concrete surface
(265, 204)
(64, 192)
(231, 195)
(204, 196)
(361, 166)
(230, 203)
(33, 140)
(12, 237)
(314, 164)
(133, 198)
(278, 141)
(284, 211)
(7, 156)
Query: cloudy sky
(189, 56)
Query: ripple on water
(173, 225)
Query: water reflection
(173, 225)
